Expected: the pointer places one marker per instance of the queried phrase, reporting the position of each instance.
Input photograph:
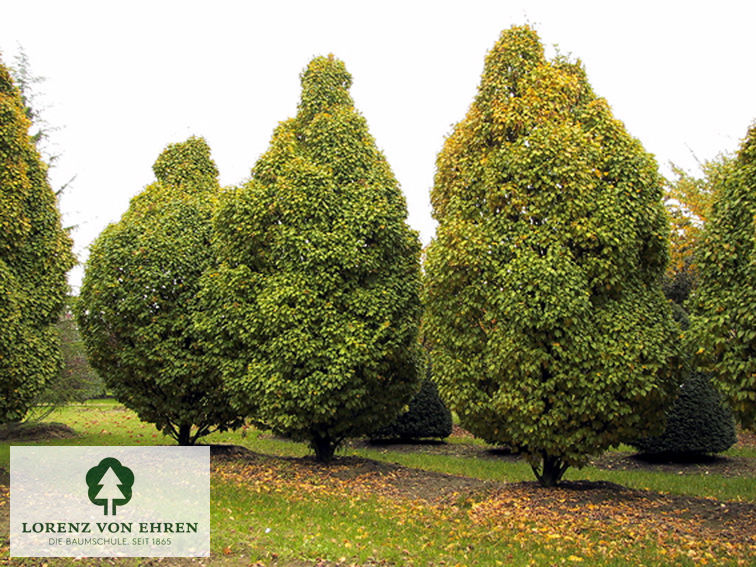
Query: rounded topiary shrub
(427, 417)
(698, 423)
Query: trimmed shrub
(698, 423)
(427, 417)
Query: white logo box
(54, 512)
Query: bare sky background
(124, 79)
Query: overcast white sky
(126, 78)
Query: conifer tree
(724, 323)
(698, 423)
(139, 296)
(544, 310)
(316, 304)
(35, 255)
(426, 417)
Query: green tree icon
(110, 481)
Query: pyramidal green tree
(544, 312)
(316, 305)
(139, 296)
(426, 417)
(35, 255)
(724, 323)
(698, 423)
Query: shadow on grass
(35, 431)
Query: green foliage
(77, 381)
(678, 284)
(27, 82)
(35, 254)
(315, 307)
(724, 321)
(187, 165)
(139, 296)
(426, 417)
(548, 326)
(41, 132)
(680, 316)
(698, 423)
(688, 201)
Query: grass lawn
(441, 504)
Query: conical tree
(317, 301)
(697, 423)
(426, 417)
(139, 297)
(548, 326)
(724, 322)
(35, 255)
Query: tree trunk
(184, 434)
(324, 447)
(551, 470)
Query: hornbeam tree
(544, 309)
(35, 255)
(139, 297)
(723, 323)
(316, 303)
